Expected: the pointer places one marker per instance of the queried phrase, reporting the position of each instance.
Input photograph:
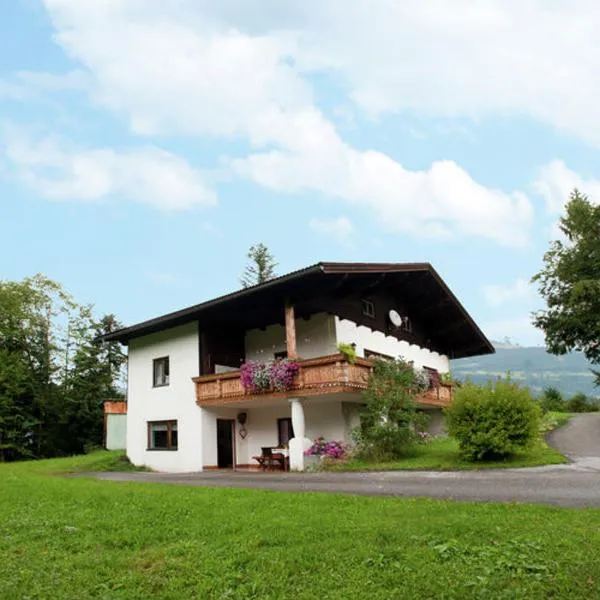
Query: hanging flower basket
(277, 375)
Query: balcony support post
(299, 443)
(290, 331)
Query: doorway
(225, 443)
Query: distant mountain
(533, 367)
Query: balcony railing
(317, 377)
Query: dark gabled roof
(422, 288)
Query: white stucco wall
(116, 432)
(323, 418)
(197, 446)
(347, 331)
(314, 337)
(175, 401)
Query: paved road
(580, 437)
(562, 485)
(576, 484)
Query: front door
(225, 450)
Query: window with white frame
(160, 371)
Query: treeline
(553, 400)
(54, 372)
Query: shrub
(552, 400)
(493, 421)
(390, 421)
(580, 403)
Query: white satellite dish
(395, 318)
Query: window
(162, 435)
(160, 370)
(368, 308)
(285, 431)
(281, 355)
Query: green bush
(493, 421)
(390, 422)
(580, 403)
(552, 401)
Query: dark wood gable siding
(439, 321)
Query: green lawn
(442, 454)
(77, 538)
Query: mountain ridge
(532, 366)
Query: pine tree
(261, 267)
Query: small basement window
(160, 371)
(368, 308)
(162, 435)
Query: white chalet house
(187, 409)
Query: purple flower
(258, 377)
(331, 449)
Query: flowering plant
(259, 377)
(321, 447)
(424, 437)
(255, 376)
(282, 373)
(421, 379)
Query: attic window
(368, 308)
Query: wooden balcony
(317, 377)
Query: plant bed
(443, 454)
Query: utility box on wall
(115, 425)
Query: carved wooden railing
(317, 377)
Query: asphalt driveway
(576, 484)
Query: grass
(554, 420)
(443, 454)
(67, 538)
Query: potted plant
(348, 351)
(278, 375)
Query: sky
(146, 145)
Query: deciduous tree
(570, 283)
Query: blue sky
(144, 145)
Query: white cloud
(435, 58)
(518, 329)
(555, 182)
(340, 229)
(147, 175)
(239, 70)
(441, 202)
(519, 290)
